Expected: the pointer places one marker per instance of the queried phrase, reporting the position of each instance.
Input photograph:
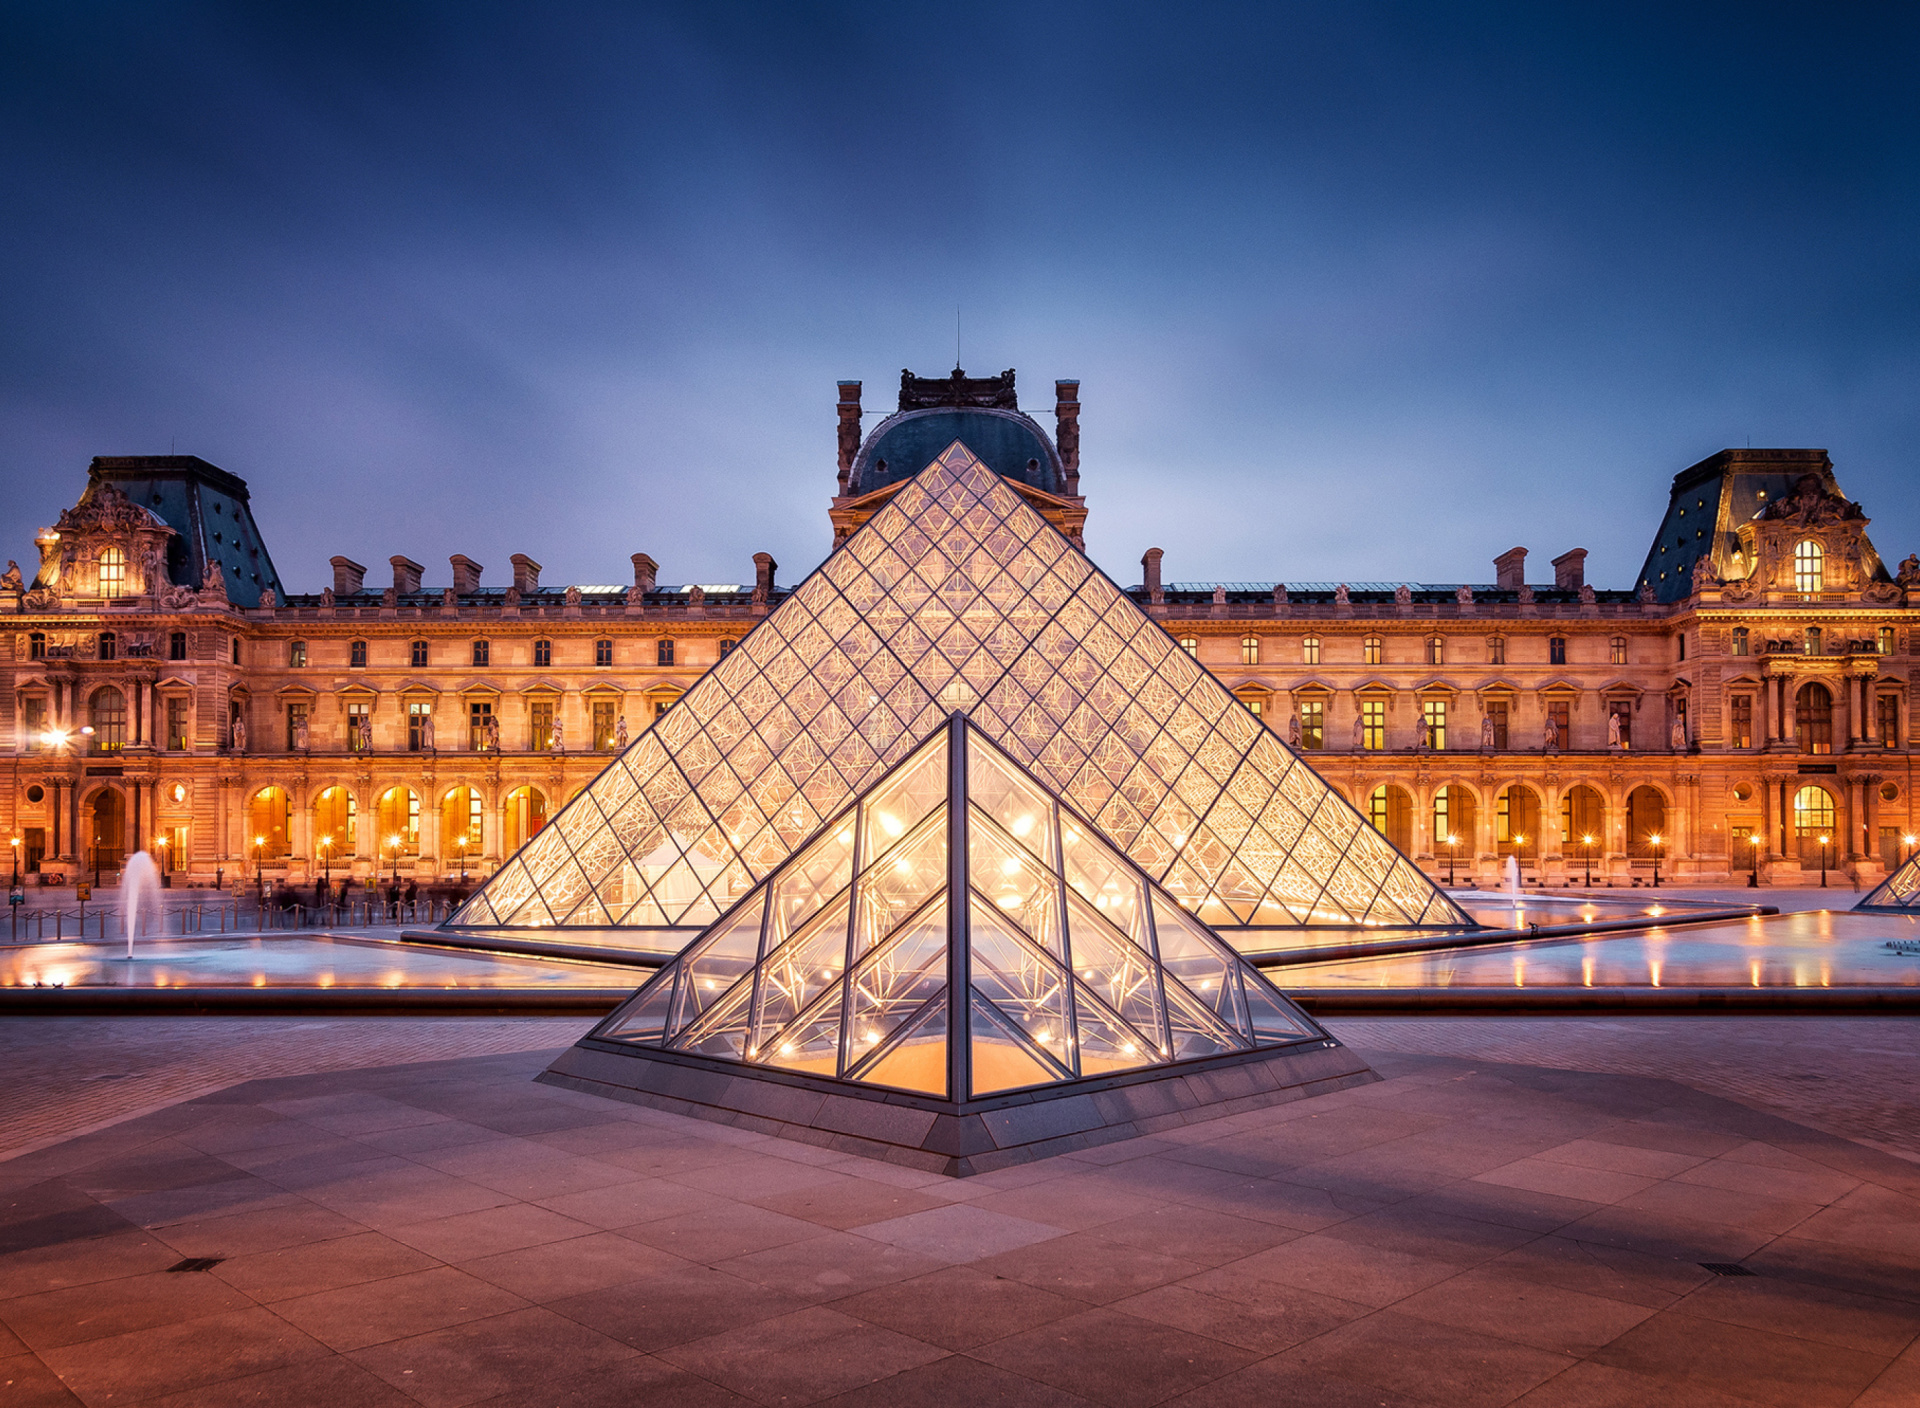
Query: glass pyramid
(957, 595)
(957, 933)
(1900, 891)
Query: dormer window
(113, 571)
(1809, 566)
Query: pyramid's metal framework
(1899, 893)
(957, 595)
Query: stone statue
(269, 599)
(636, 596)
(1426, 736)
(1464, 595)
(1704, 576)
(1613, 728)
(1526, 595)
(326, 598)
(300, 735)
(620, 734)
(493, 734)
(1586, 594)
(449, 600)
(1645, 595)
(1486, 733)
(172, 598)
(426, 733)
(390, 598)
(1403, 595)
(1678, 735)
(512, 597)
(760, 592)
(363, 730)
(696, 597)
(1550, 739)
(1359, 732)
(214, 586)
(559, 736)
(1219, 596)
(10, 579)
(239, 733)
(1293, 728)
(1908, 576)
(573, 596)
(1341, 597)
(1279, 593)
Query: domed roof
(1007, 442)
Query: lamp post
(1654, 841)
(15, 895)
(1453, 842)
(326, 860)
(1586, 856)
(1753, 870)
(394, 843)
(460, 844)
(1909, 840)
(1825, 841)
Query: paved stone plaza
(1466, 1231)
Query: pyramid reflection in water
(959, 972)
(956, 595)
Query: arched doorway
(1647, 820)
(336, 826)
(107, 713)
(1583, 821)
(1390, 809)
(397, 816)
(107, 810)
(1455, 814)
(525, 814)
(267, 830)
(1517, 822)
(1813, 819)
(460, 817)
(1813, 719)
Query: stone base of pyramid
(942, 1137)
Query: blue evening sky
(1354, 290)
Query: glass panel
(1195, 957)
(1000, 1059)
(646, 1018)
(1107, 882)
(894, 981)
(1105, 1043)
(1274, 1019)
(1022, 810)
(901, 882)
(721, 1030)
(918, 1061)
(820, 873)
(1013, 882)
(1196, 1031)
(799, 971)
(1027, 987)
(721, 960)
(1119, 971)
(812, 1045)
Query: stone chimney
(849, 409)
(406, 575)
(646, 572)
(526, 573)
(1570, 570)
(1510, 570)
(466, 574)
(1066, 430)
(1150, 575)
(763, 569)
(348, 576)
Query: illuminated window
(1740, 639)
(107, 712)
(1250, 650)
(482, 652)
(540, 716)
(1370, 650)
(357, 713)
(1617, 650)
(664, 653)
(418, 712)
(357, 655)
(297, 654)
(1557, 650)
(1433, 713)
(1309, 652)
(1436, 650)
(113, 571)
(1496, 650)
(1313, 724)
(1813, 719)
(176, 725)
(479, 717)
(1811, 640)
(1887, 720)
(1373, 724)
(603, 715)
(543, 652)
(417, 654)
(1809, 566)
(1191, 646)
(603, 653)
(1884, 643)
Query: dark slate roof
(208, 508)
(1010, 443)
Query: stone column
(432, 844)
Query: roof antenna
(957, 363)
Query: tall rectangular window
(664, 653)
(1740, 721)
(540, 715)
(1309, 651)
(603, 653)
(726, 648)
(1373, 724)
(109, 645)
(1370, 650)
(296, 716)
(37, 645)
(357, 655)
(297, 654)
(1617, 650)
(1313, 724)
(602, 725)
(1433, 713)
(113, 571)
(1187, 643)
(33, 723)
(1623, 712)
(1436, 650)
(1883, 643)
(479, 717)
(543, 652)
(1496, 650)
(482, 652)
(1497, 711)
(1561, 712)
(1740, 637)
(177, 646)
(176, 725)
(1887, 720)
(417, 654)
(358, 713)
(1250, 650)
(236, 650)
(418, 712)
(1557, 650)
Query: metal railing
(103, 923)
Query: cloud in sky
(1353, 290)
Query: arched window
(1390, 810)
(1809, 566)
(336, 825)
(107, 712)
(460, 816)
(1812, 820)
(1647, 823)
(1187, 643)
(1370, 650)
(1454, 814)
(398, 818)
(1309, 651)
(113, 571)
(109, 816)
(267, 824)
(1740, 639)
(1436, 650)
(526, 813)
(1583, 816)
(1250, 650)
(1517, 822)
(1813, 719)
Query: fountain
(1513, 876)
(139, 881)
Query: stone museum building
(1744, 705)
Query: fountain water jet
(139, 881)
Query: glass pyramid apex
(958, 933)
(957, 595)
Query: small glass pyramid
(957, 595)
(958, 933)
(1899, 892)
